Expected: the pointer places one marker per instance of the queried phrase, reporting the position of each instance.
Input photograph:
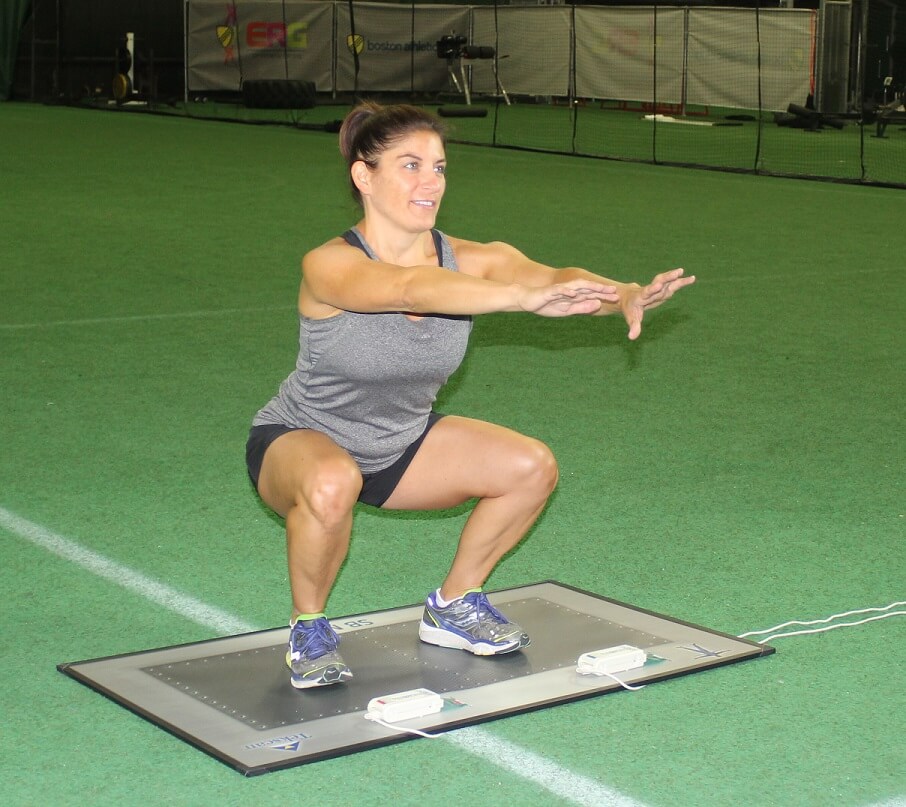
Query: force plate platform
(231, 697)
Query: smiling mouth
(427, 203)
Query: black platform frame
(231, 698)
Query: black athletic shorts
(377, 487)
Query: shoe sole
(328, 677)
(331, 674)
(444, 638)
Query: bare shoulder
(330, 252)
(334, 260)
(322, 268)
(480, 258)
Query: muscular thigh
(461, 459)
(299, 463)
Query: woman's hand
(635, 299)
(565, 299)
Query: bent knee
(332, 490)
(539, 466)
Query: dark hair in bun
(371, 128)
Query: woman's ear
(361, 176)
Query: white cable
(622, 683)
(824, 621)
(831, 627)
(369, 716)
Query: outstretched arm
(502, 262)
(635, 299)
(339, 277)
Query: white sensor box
(611, 660)
(405, 705)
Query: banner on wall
(615, 56)
(724, 66)
(396, 46)
(727, 57)
(228, 43)
(533, 45)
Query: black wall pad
(231, 697)
(278, 94)
(462, 112)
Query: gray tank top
(368, 381)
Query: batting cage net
(784, 89)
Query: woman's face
(408, 183)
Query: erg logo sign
(261, 34)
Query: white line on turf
(572, 787)
(561, 782)
(13, 326)
(195, 610)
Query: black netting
(810, 88)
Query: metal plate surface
(231, 697)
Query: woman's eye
(440, 169)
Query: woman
(385, 314)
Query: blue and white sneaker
(470, 623)
(312, 656)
